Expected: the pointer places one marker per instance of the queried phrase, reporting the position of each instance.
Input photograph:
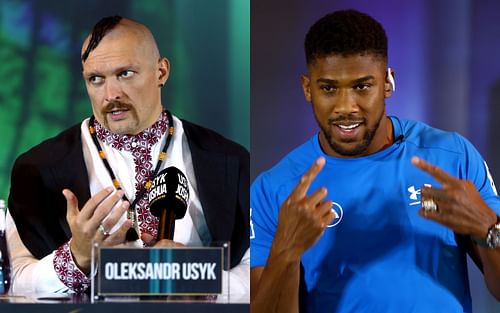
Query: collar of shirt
(143, 140)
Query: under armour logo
(413, 192)
(414, 195)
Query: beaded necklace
(132, 233)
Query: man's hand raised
(303, 219)
(459, 204)
(93, 222)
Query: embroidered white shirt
(30, 275)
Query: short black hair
(346, 32)
(101, 28)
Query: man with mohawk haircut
(90, 183)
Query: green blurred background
(42, 91)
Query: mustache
(346, 118)
(116, 105)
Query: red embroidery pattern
(68, 272)
(140, 146)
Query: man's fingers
(316, 197)
(435, 171)
(148, 239)
(91, 205)
(325, 208)
(110, 221)
(306, 180)
(104, 208)
(168, 243)
(435, 194)
(151, 241)
(71, 203)
(326, 213)
(118, 237)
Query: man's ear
(306, 86)
(390, 84)
(163, 71)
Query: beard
(358, 149)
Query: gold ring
(429, 205)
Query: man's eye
(126, 74)
(362, 86)
(95, 80)
(328, 88)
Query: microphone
(168, 200)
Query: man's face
(347, 95)
(122, 77)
